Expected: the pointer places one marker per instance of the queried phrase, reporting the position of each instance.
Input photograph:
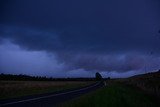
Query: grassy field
(114, 95)
(149, 83)
(13, 89)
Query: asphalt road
(49, 99)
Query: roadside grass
(14, 89)
(114, 95)
(149, 82)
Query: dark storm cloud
(31, 39)
(88, 25)
(111, 62)
(88, 35)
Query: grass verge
(114, 95)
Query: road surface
(49, 99)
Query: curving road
(49, 99)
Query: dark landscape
(143, 89)
(137, 91)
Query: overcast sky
(76, 38)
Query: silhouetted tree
(108, 78)
(98, 76)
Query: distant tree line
(40, 78)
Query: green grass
(14, 89)
(115, 95)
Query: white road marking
(32, 99)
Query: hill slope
(149, 82)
